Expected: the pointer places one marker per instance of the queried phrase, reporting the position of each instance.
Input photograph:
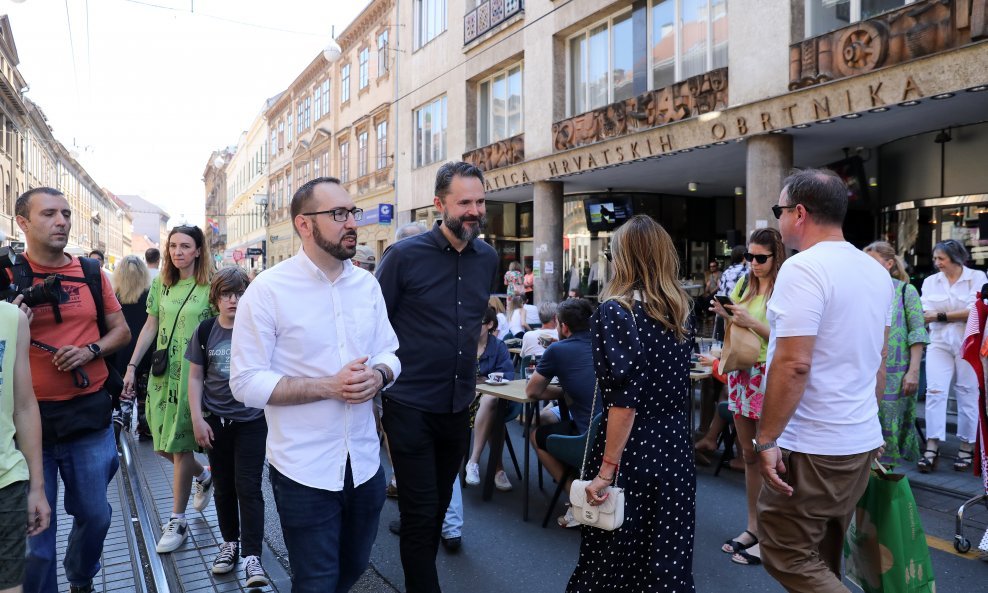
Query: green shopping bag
(885, 547)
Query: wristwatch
(95, 349)
(759, 448)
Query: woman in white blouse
(947, 297)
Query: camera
(45, 293)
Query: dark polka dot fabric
(640, 365)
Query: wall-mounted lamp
(873, 182)
(692, 186)
(739, 191)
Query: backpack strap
(93, 277)
(203, 334)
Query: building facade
(214, 179)
(30, 156)
(247, 198)
(150, 224)
(583, 112)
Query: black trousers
(427, 449)
(237, 461)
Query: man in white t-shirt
(531, 345)
(819, 431)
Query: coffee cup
(496, 377)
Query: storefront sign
(370, 217)
(384, 213)
(550, 266)
(251, 251)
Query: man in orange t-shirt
(75, 407)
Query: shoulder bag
(159, 360)
(741, 344)
(608, 515)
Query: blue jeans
(453, 523)
(328, 534)
(87, 466)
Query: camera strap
(78, 374)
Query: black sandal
(964, 460)
(746, 558)
(736, 546)
(928, 462)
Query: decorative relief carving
(696, 95)
(919, 29)
(509, 151)
(487, 15)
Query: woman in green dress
(177, 302)
(907, 338)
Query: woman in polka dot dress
(642, 338)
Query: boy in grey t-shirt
(233, 434)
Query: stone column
(769, 162)
(548, 240)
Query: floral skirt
(746, 390)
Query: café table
(697, 374)
(508, 391)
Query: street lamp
(262, 201)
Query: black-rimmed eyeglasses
(777, 210)
(339, 214)
(760, 257)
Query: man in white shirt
(153, 258)
(312, 345)
(819, 431)
(531, 342)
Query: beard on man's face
(464, 232)
(337, 250)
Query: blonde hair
(516, 303)
(130, 279)
(887, 253)
(496, 304)
(170, 275)
(645, 260)
(770, 239)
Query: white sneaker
(203, 492)
(501, 481)
(473, 474)
(567, 521)
(172, 536)
(254, 572)
(226, 560)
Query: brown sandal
(929, 461)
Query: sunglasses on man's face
(760, 257)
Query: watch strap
(759, 448)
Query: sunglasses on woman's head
(760, 258)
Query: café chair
(569, 450)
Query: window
(686, 38)
(430, 132)
(308, 113)
(316, 104)
(291, 192)
(430, 21)
(382, 53)
(274, 141)
(316, 172)
(362, 154)
(344, 162)
(289, 126)
(300, 119)
(281, 134)
(822, 16)
(325, 163)
(325, 97)
(345, 83)
(364, 58)
(499, 114)
(382, 145)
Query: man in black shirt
(436, 286)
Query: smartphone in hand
(724, 302)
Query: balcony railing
(694, 96)
(506, 152)
(488, 15)
(918, 29)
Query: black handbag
(159, 359)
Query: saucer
(492, 382)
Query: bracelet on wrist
(941, 317)
(617, 462)
(384, 377)
(610, 479)
(605, 461)
(130, 364)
